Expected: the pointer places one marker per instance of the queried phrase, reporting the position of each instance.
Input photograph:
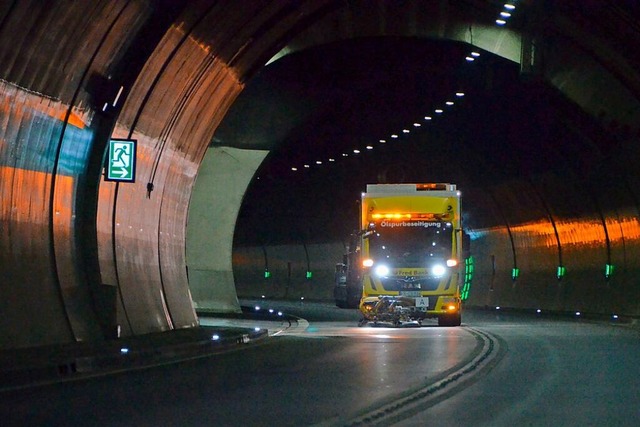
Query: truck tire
(450, 320)
(355, 303)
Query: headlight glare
(382, 271)
(438, 270)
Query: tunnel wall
(584, 286)
(584, 220)
(171, 112)
(50, 133)
(288, 266)
(222, 181)
(82, 258)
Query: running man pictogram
(121, 161)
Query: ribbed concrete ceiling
(336, 94)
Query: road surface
(498, 369)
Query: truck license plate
(422, 302)
(409, 293)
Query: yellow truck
(411, 253)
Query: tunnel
(217, 102)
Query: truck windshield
(411, 243)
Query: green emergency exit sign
(121, 160)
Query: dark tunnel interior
(353, 94)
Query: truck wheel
(450, 320)
(353, 301)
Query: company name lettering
(425, 224)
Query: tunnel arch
(103, 255)
(351, 23)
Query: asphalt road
(552, 373)
(496, 370)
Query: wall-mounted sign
(121, 160)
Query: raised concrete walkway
(29, 367)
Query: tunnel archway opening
(502, 137)
(360, 92)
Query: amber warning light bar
(402, 216)
(435, 187)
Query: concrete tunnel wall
(288, 266)
(80, 256)
(222, 180)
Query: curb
(26, 368)
(613, 319)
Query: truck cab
(411, 244)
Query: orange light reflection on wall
(579, 232)
(30, 194)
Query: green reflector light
(468, 277)
(561, 272)
(515, 272)
(608, 270)
(267, 274)
(309, 274)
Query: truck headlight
(382, 271)
(438, 270)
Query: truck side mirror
(367, 232)
(466, 245)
